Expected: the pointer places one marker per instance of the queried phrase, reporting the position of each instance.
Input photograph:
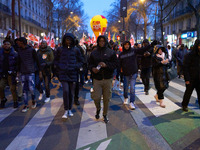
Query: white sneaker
(47, 100)
(65, 115)
(41, 96)
(132, 106)
(126, 101)
(91, 90)
(70, 113)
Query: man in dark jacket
(8, 72)
(102, 63)
(146, 65)
(128, 63)
(27, 62)
(45, 57)
(68, 61)
(180, 56)
(191, 70)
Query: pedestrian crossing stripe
(176, 125)
(33, 132)
(89, 127)
(43, 111)
(151, 104)
(129, 139)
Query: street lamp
(71, 12)
(142, 1)
(42, 35)
(119, 21)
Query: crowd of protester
(25, 68)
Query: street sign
(123, 8)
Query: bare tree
(197, 15)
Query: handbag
(172, 73)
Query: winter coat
(159, 72)
(128, 59)
(191, 64)
(146, 61)
(68, 61)
(180, 56)
(105, 55)
(27, 60)
(45, 57)
(13, 56)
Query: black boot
(3, 102)
(19, 99)
(76, 102)
(185, 108)
(97, 114)
(15, 104)
(105, 119)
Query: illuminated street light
(142, 1)
(71, 12)
(119, 21)
(42, 34)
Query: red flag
(52, 44)
(31, 37)
(109, 37)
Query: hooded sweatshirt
(128, 59)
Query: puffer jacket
(68, 60)
(159, 72)
(191, 64)
(105, 55)
(13, 56)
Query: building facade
(179, 26)
(35, 15)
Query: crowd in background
(25, 68)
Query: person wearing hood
(8, 72)
(191, 71)
(102, 63)
(68, 61)
(160, 64)
(45, 57)
(128, 64)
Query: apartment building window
(168, 30)
(180, 25)
(189, 23)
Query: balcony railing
(4, 8)
(33, 21)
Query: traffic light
(123, 8)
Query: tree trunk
(161, 22)
(145, 28)
(13, 18)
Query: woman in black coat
(160, 76)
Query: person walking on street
(27, 62)
(68, 61)
(180, 56)
(102, 63)
(128, 63)
(160, 63)
(8, 72)
(191, 70)
(146, 64)
(45, 57)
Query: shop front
(188, 38)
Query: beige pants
(102, 87)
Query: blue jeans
(28, 84)
(132, 81)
